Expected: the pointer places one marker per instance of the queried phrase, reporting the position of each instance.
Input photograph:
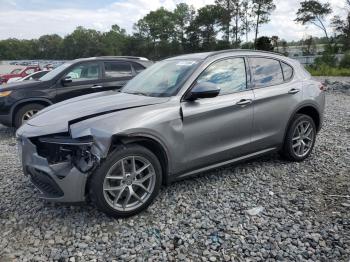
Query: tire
(293, 149)
(26, 109)
(112, 202)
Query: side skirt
(235, 160)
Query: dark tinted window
(266, 72)
(117, 69)
(84, 72)
(229, 75)
(287, 71)
(138, 68)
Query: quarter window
(84, 72)
(266, 72)
(229, 75)
(287, 71)
(117, 69)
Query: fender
(32, 99)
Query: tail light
(322, 87)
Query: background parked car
(34, 76)
(20, 101)
(19, 72)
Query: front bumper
(60, 182)
(6, 120)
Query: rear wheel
(127, 182)
(25, 113)
(300, 138)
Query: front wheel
(300, 138)
(25, 113)
(127, 182)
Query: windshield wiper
(137, 93)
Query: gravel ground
(267, 209)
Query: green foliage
(264, 43)
(313, 12)
(262, 10)
(326, 70)
(345, 62)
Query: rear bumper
(6, 120)
(59, 182)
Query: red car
(19, 72)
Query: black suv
(20, 101)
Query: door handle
(96, 86)
(244, 102)
(293, 91)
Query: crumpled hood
(88, 106)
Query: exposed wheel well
(151, 144)
(313, 113)
(18, 106)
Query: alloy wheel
(303, 138)
(28, 115)
(129, 183)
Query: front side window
(229, 75)
(266, 71)
(84, 72)
(117, 69)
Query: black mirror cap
(203, 90)
(66, 80)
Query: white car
(33, 76)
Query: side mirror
(203, 90)
(66, 80)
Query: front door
(219, 129)
(85, 78)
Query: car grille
(45, 183)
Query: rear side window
(287, 71)
(117, 69)
(138, 68)
(266, 71)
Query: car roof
(128, 58)
(205, 55)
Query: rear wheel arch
(309, 110)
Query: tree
(183, 16)
(313, 12)
(49, 46)
(246, 16)
(342, 28)
(226, 18)
(264, 43)
(310, 46)
(207, 20)
(274, 42)
(262, 10)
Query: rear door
(86, 78)
(116, 74)
(219, 129)
(277, 94)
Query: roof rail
(127, 57)
(242, 50)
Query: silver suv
(181, 116)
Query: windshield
(162, 79)
(16, 71)
(50, 75)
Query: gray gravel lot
(306, 211)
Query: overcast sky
(26, 19)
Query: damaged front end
(59, 165)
